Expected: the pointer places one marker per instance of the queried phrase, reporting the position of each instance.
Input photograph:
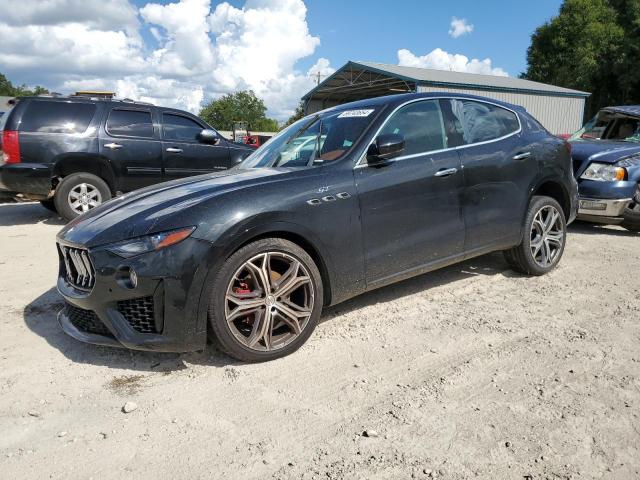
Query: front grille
(86, 321)
(139, 313)
(77, 266)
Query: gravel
(441, 412)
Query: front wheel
(545, 233)
(78, 193)
(265, 301)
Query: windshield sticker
(356, 113)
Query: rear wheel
(49, 205)
(265, 301)
(544, 238)
(78, 193)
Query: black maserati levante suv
(343, 201)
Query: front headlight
(137, 246)
(603, 172)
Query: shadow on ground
(40, 318)
(488, 265)
(600, 229)
(27, 214)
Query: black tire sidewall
(68, 183)
(537, 203)
(216, 310)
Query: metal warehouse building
(560, 110)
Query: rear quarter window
(57, 117)
(482, 122)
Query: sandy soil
(472, 371)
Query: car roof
(82, 98)
(399, 99)
(633, 110)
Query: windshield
(312, 141)
(609, 125)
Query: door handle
(522, 156)
(174, 150)
(445, 172)
(113, 146)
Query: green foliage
(239, 106)
(592, 45)
(297, 114)
(7, 89)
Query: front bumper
(163, 313)
(26, 178)
(598, 207)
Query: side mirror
(384, 148)
(209, 136)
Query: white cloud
(459, 27)
(201, 53)
(438, 59)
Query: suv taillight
(11, 146)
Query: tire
(551, 244)
(239, 280)
(49, 205)
(631, 215)
(73, 186)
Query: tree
(239, 106)
(7, 89)
(592, 45)
(297, 114)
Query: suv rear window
(130, 123)
(57, 117)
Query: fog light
(127, 278)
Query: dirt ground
(469, 372)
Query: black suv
(343, 201)
(74, 153)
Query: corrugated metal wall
(557, 114)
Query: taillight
(11, 146)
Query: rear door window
(130, 123)
(475, 122)
(43, 116)
(421, 125)
(180, 128)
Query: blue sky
(360, 30)
(184, 53)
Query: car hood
(604, 151)
(154, 209)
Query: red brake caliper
(243, 289)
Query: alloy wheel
(84, 197)
(547, 236)
(269, 301)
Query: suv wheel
(78, 193)
(265, 301)
(545, 233)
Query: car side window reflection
(477, 122)
(179, 128)
(421, 125)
